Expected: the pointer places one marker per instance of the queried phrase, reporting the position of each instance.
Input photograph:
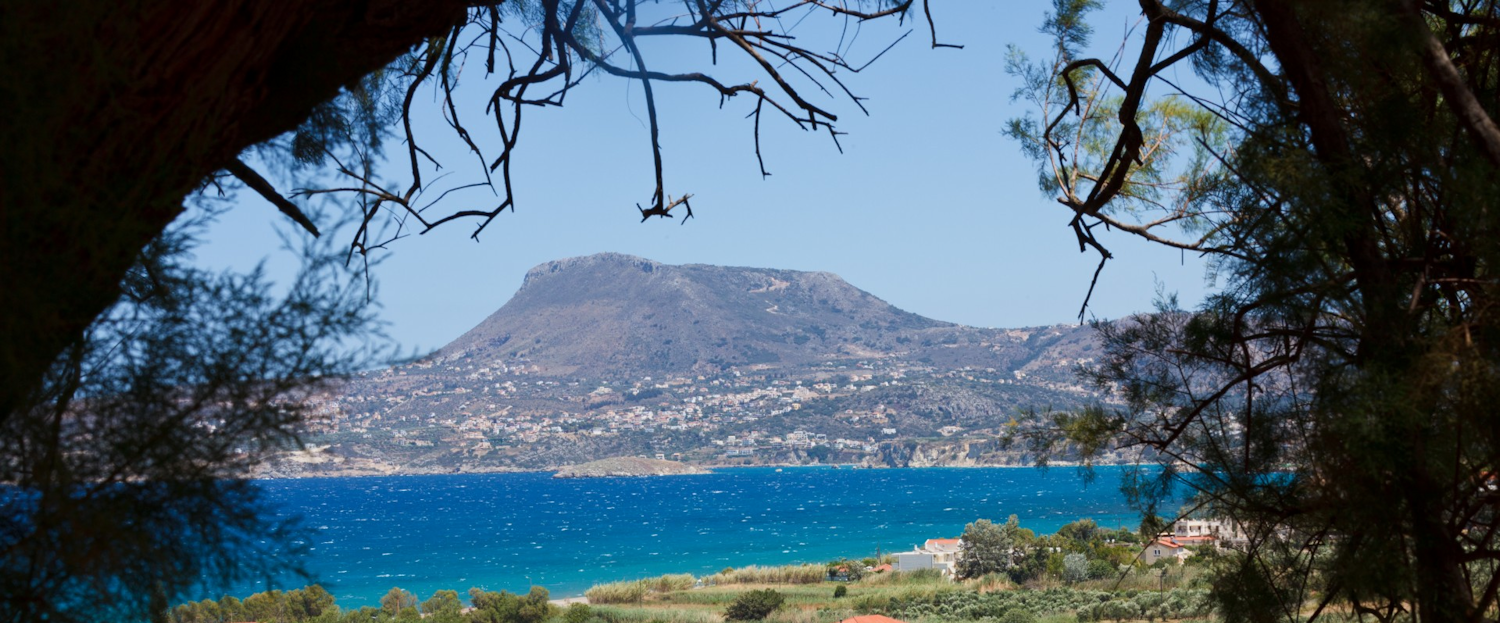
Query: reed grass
(787, 574)
(671, 582)
(628, 592)
(635, 591)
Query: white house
(940, 554)
(1227, 533)
(1173, 546)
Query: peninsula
(627, 466)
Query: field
(916, 597)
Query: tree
(505, 607)
(986, 547)
(396, 600)
(446, 600)
(126, 466)
(310, 602)
(104, 142)
(1083, 533)
(106, 145)
(1075, 568)
(577, 613)
(754, 605)
(1338, 166)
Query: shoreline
(712, 467)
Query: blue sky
(929, 207)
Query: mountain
(612, 355)
(620, 316)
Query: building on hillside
(944, 554)
(1163, 548)
(1228, 533)
(914, 560)
(1175, 547)
(940, 554)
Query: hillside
(614, 355)
(615, 315)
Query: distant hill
(612, 355)
(613, 315)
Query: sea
(517, 530)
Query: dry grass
(618, 592)
(635, 591)
(788, 574)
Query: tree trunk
(1443, 594)
(115, 111)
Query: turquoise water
(511, 531)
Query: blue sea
(512, 531)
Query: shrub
(754, 605)
(1018, 615)
(1075, 568)
(1099, 569)
(840, 591)
(577, 613)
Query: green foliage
(1017, 615)
(851, 570)
(754, 605)
(443, 601)
(1075, 568)
(505, 607)
(126, 468)
(396, 600)
(840, 591)
(617, 614)
(1333, 383)
(1100, 569)
(988, 547)
(577, 613)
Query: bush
(1017, 615)
(1099, 569)
(1075, 568)
(577, 613)
(840, 591)
(754, 605)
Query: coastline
(259, 474)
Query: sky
(929, 206)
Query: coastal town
(494, 416)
